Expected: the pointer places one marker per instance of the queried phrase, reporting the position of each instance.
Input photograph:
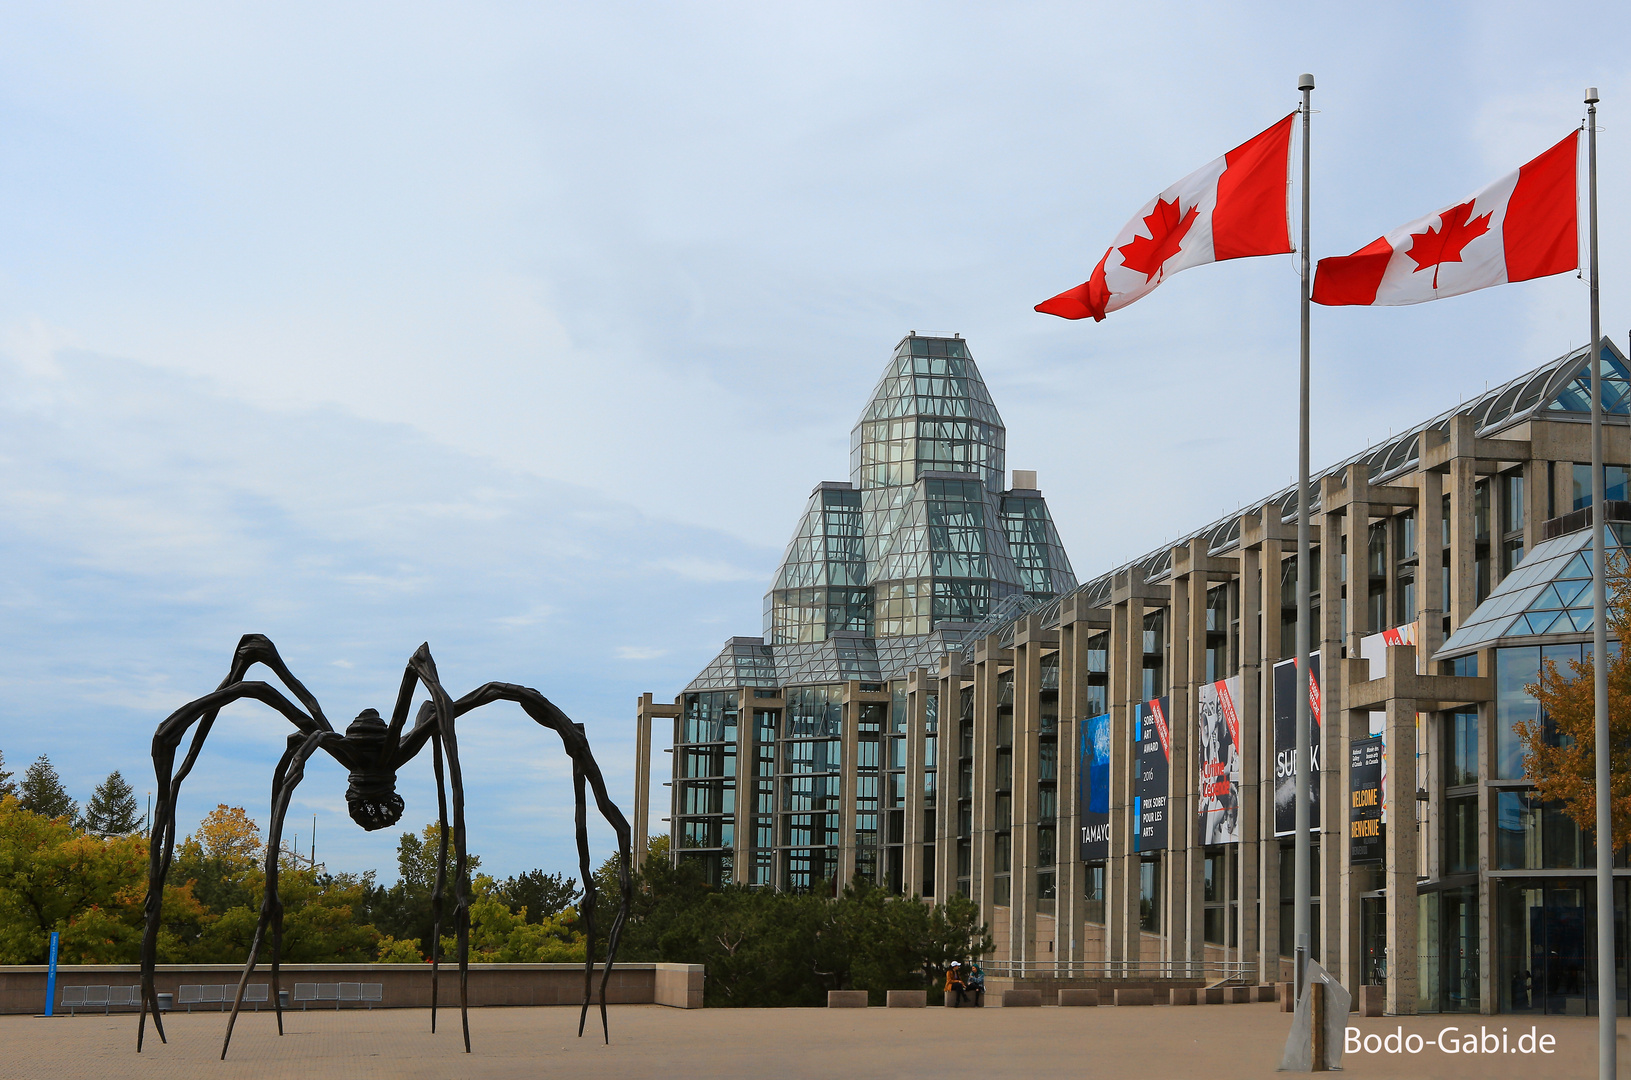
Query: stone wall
(405, 986)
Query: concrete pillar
(1334, 732)
(1122, 940)
(1028, 644)
(1251, 764)
(919, 686)
(1401, 842)
(1273, 556)
(1536, 475)
(1429, 563)
(949, 780)
(640, 824)
(1463, 551)
(1072, 872)
(982, 877)
(1188, 939)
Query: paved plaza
(1214, 1042)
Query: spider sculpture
(373, 751)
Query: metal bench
(126, 997)
(349, 992)
(73, 997)
(372, 993)
(257, 993)
(329, 992)
(305, 992)
(96, 995)
(188, 995)
(213, 995)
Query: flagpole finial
(1591, 95)
(1305, 81)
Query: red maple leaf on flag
(1443, 244)
(1167, 230)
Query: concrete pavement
(1211, 1042)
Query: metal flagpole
(1608, 1000)
(1303, 853)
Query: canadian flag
(1230, 208)
(1522, 226)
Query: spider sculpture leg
(582, 817)
(252, 649)
(546, 714)
(441, 879)
(436, 721)
(290, 771)
(461, 882)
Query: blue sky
(527, 329)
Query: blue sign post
(51, 976)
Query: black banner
(1366, 834)
(1285, 746)
(1095, 788)
(1152, 749)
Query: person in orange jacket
(955, 985)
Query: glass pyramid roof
(1550, 593)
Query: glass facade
(705, 751)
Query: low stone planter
(1142, 995)
(1181, 995)
(1264, 992)
(908, 999)
(1372, 1001)
(846, 999)
(1237, 995)
(1022, 999)
(1287, 999)
(1078, 997)
(1212, 995)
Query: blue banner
(1094, 781)
(51, 977)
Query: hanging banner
(1217, 708)
(1373, 647)
(1095, 788)
(1285, 746)
(1152, 749)
(1366, 836)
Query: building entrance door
(1548, 944)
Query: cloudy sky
(526, 329)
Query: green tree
(767, 948)
(320, 921)
(54, 877)
(7, 787)
(416, 858)
(112, 809)
(392, 951)
(1560, 744)
(42, 793)
(402, 911)
(501, 936)
(539, 895)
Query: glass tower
(883, 574)
(924, 533)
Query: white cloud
(694, 568)
(638, 652)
